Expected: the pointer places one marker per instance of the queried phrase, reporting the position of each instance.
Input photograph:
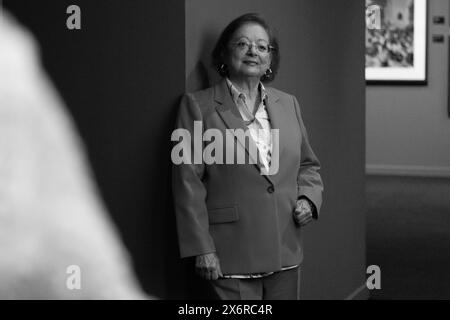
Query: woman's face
(246, 61)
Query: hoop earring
(223, 69)
(269, 72)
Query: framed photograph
(396, 41)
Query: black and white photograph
(212, 158)
(397, 50)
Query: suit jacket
(233, 210)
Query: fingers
(214, 275)
(204, 273)
(219, 270)
(209, 274)
(303, 217)
(207, 266)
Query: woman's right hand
(207, 266)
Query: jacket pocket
(223, 215)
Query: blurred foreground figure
(51, 216)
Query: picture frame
(396, 48)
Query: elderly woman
(242, 221)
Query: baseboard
(361, 293)
(417, 171)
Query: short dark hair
(221, 50)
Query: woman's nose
(251, 50)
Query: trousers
(283, 285)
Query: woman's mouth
(250, 63)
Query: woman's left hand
(303, 213)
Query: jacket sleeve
(309, 181)
(189, 192)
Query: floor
(408, 236)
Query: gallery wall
(324, 68)
(408, 127)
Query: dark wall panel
(121, 76)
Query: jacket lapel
(229, 113)
(226, 107)
(278, 119)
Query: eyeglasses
(262, 47)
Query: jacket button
(271, 189)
